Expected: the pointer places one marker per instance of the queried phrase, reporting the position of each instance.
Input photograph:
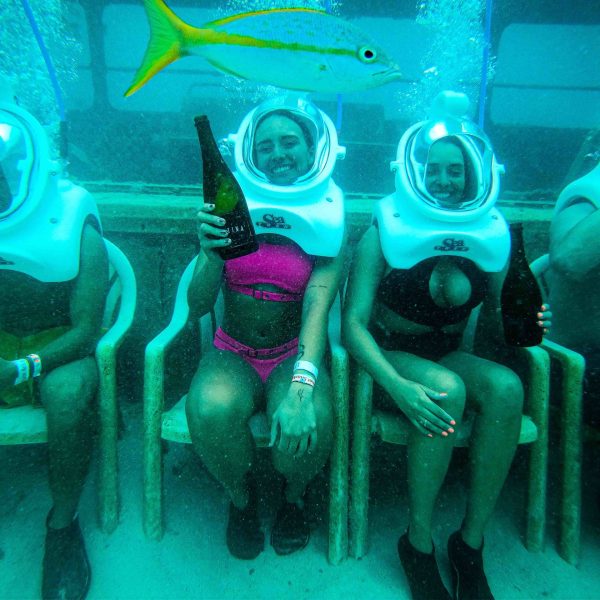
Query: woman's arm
(574, 240)
(417, 401)
(208, 273)
(86, 306)
(294, 425)
(322, 288)
(366, 272)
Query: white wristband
(23, 372)
(305, 365)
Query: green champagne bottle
(221, 188)
(521, 298)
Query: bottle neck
(517, 243)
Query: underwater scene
(299, 299)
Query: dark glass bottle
(521, 298)
(221, 188)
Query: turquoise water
(541, 111)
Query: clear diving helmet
(448, 121)
(310, 209)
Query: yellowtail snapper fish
(293, 48)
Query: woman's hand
(295, 422)
(418, 403)
(8, 374)
(545, 318)
(210, 232)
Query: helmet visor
(16, 163)
(286, 142)
(450, 164)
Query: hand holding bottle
(521, 297)
(211, 232)
(222, 191)
(545, 318)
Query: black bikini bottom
(432, 345)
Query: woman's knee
(217, 407)
(501, 393)
(452, 385)
(67, 395)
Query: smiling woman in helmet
(437, 249)
(269, 349)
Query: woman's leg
(495, 394)
(223, 396)
(291, 530)
(68, 394)
(428, 458)
(298, 472)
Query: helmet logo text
(452, 245)
(271, 221)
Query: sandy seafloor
(192, 561)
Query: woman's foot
(422, 572)
(245, 538)
(66, 570)
(468, 578)
(291, 530)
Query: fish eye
(367, 55)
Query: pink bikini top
(286, 266)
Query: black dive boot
(422, 572)
(66, 572)
(468, 578)
(291, 530)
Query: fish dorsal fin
(254, 13)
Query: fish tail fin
(166, 45)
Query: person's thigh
(486, 382)
(224, 386)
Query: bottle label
(237, 228)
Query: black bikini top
(406, 292)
